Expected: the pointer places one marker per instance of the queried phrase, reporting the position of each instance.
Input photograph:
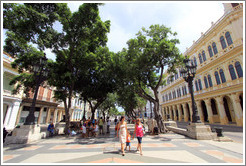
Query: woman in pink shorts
(139, 134)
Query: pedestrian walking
(121, 133)
(139, 134)
(84, 135)
(93, 122)
(95, 129)
(101, 126)
(115, 120)
(128, 141)
(108, 124)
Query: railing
(9, 93)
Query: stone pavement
(163, 148)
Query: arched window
(217, 77)
(197, 89)
(206, 81)
(204, 56)
(200, 58)
(222, 41)
(222, 76)
(232, 72)
(239, 69)
(195, 61)
(210, 51)
(200, 84)
(210, 81)
(214, 48)
(228, 38)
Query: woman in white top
(96, 129)
(84, 131)
(121, 133)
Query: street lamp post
(40, 73)
(188, 74)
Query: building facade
(16, 107)
(218, 84)
(11, 103)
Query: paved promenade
(163, 148)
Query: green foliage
(109, 103)
(32, 22)
(29, 27)
(113, 111)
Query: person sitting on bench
(51, 129)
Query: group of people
(125, 136)
(94, 127)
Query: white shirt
(96, 129)
(84, 129)
(108, 123)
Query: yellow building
(218, 84)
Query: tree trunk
(67, 118)
(84, 109)
(103, 114)
(158, 118)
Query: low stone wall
(170, 123)
(177, 130)
(197, 131)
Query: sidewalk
(163, 148)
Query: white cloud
(188, 19)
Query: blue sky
(188, 19)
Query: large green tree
(31, 31)
(127, 98)
(148, 54)
(99, 80)
(76, 47)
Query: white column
(237, 109)
(14, 114)
(174, 114)
(221, 108)
(55, 116)
(40, 114)
(7, 117)
(59, 115)
(180, 112)
(186, 118)
(171, 112)
(209, 109)
(48, 115)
